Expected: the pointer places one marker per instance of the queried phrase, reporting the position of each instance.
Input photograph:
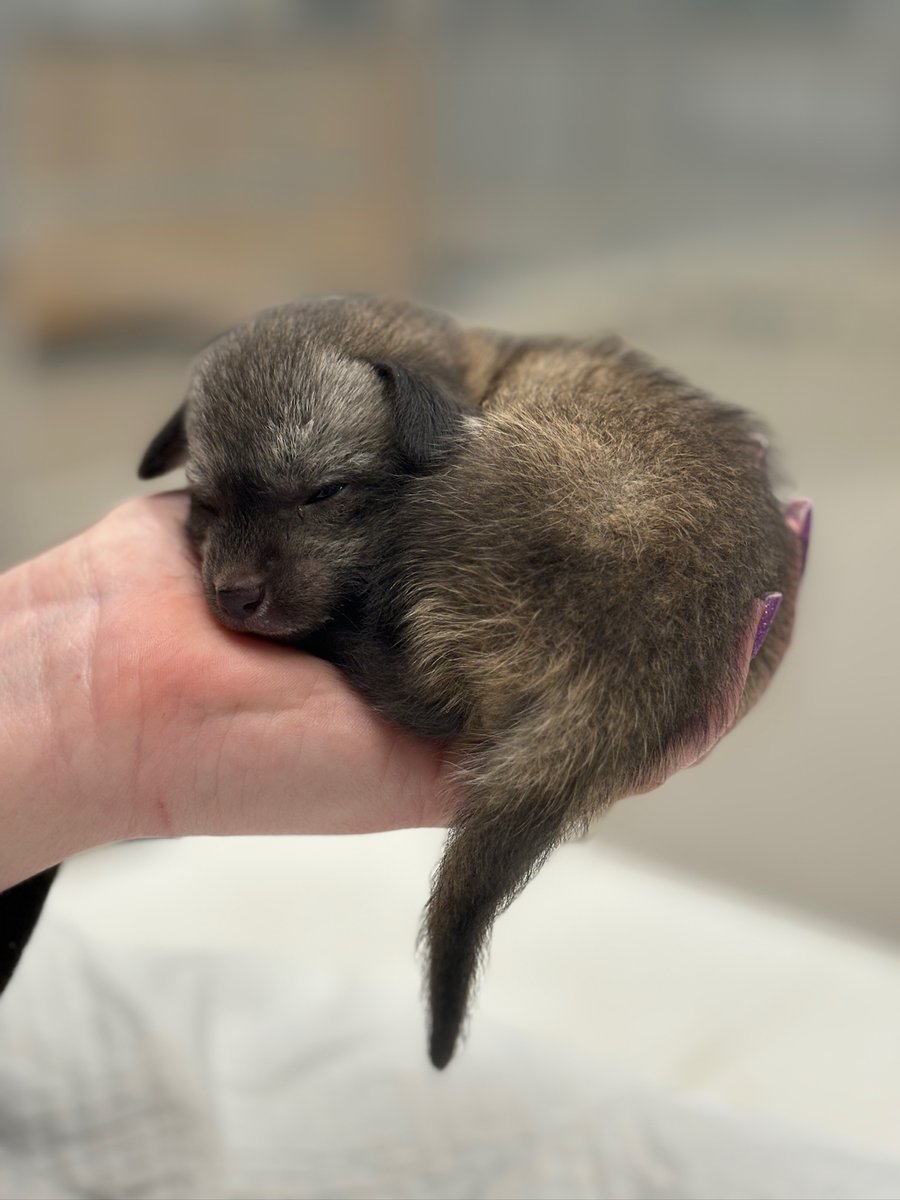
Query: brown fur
(585, 616)
(552, 550)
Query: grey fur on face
(548, 548)
(300, 430)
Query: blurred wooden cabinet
(199, 183)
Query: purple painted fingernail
(799, 514)
(771, 604)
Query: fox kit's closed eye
(549, 549)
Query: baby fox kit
(549, 550)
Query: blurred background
(718, 180)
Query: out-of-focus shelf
(201, 183)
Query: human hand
(133, 713)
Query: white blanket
(179, 1074)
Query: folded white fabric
(244, 1075)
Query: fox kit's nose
(241, 599)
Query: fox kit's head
(299, 432)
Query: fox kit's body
(549, 550)
(571, 595)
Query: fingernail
(771, 604)
(799, 514)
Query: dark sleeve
(20, 907)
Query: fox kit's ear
(168, 449)
(428, 417)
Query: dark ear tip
(154, 463)
(167, 450)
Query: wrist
(54, 800)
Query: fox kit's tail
(518, 808)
